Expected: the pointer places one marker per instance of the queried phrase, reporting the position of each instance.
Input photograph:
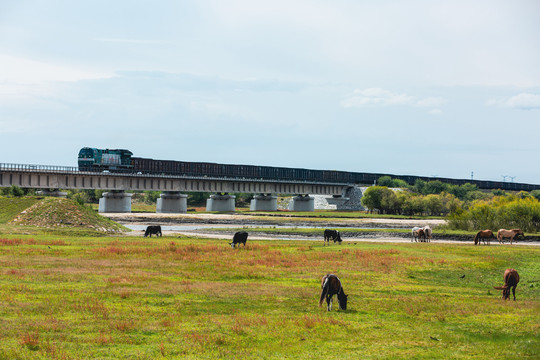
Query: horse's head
(342, 299)
(520, 232)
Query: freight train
(120, 160)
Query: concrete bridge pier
(339, 201)
(302, 203)
(221, 202)
(116, 201)
(172, 202)
(264, 202)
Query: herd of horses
(487, 235)
(331, 284)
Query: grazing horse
(331, 285)
(484, 235)
(153, 229)
(239, 237)
(511, 279)
(502, 233)
(427, 233)
(418, 233)
(332, 235)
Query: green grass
(11, 207)
(72, 297)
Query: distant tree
(196, 198)
(498, 192)
(523, 194)
(434, 187)
(150, 197)
(14, 191)
(536, 194)
(385, 181)
(372, 197)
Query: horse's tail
(325, 288)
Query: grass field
(68, 297)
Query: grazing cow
(502, 233)
(427, 233)
(484, 235)
(331, 286)
(418, 234)
(332, 235)
(511, 279)
(239, 237)
(153, 229)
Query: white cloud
(133, 41)
(22, 77)
(22, 70)
(523, 101)
(377, 97)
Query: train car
(121, 160)
(92, 159)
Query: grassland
(72, 297)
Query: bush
(505, 212)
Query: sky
(418, 87)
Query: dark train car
(92, 159)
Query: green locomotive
(92, 159)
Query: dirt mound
(59, 212)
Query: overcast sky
(433, 88)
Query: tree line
(429, 198)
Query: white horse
(427, 232)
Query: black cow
(153, 229)
(332, 235)
(238, 238)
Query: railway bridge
(50, 179)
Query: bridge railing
(30, 167)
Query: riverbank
(262, 227)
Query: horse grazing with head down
(418, 233)
(484, 235)
(502, 233)
(511, 279)
(331, 285)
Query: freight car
(120, 160)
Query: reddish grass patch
(30, 340)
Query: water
(234, 226)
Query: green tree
(372, 197)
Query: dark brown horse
(511, 279)
(484, 235)
(331, 286)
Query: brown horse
(511, 279)
(484, 235)
(331, 285)
(418, 233)
(502, 233)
